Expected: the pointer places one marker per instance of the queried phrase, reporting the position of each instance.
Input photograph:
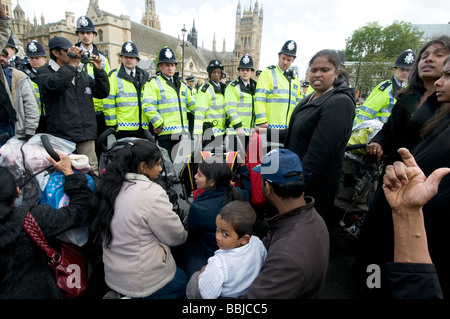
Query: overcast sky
(314, 25)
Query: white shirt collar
(90, 51)
(129, 71)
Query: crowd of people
(148, 251)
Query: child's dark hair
(124, 161)
(220, 173)
(240, 215)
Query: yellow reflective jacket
(98, 103)
(273, 104)
(171, 101)
(379, 103)
(240, 100)
(127, 107)
(210, 108)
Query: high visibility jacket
(193, 91)
(273, 104)
(88, 67)
(240, 100)
(37, 93)
(171, 101)
(210, 108)
(128, 105)
(379, 104)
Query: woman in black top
(319, 129)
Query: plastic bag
(363, 133)
(27, 160)
(54, 195)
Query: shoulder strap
(34, 231)
(385, 85)
(205, 87)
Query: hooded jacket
(25, 104)
(318, 133)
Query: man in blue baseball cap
(298, 241)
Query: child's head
(235, 224)
(212, 173)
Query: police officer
(210, 115)
(190, 81)
(277, 91)
(304, 89)
(127, 107)
(171, 100)
(14, 61)
(239, 103)
(381, 100)
(86, 33)
(37, 57)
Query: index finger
(407, 158)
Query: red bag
(69, 264)
(252, 159)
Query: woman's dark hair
(124, 161)
(240, 215)
(334, 58)
(415, 82)
(435, 121)
(441, 114)
(220, 173)
(8, 231)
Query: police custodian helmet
(289, 48)
(129, 49)
(35, 49)
(214, 64)
(246, 62)
(405, 59)
(167, 55)
(85, 24)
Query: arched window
(100, 35)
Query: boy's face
(226, 237)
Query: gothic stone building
(113, 31)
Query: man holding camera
(67, 92)
(277, 91)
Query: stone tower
(248, 34)
(150, 18)
(7, 6)
(192, 36)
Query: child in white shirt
(237, 262)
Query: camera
(87, 56)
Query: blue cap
(278, 163)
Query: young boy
(238, 261)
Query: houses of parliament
(113, 31)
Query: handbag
(68, 265)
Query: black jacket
(402, 129)
(201, 242)
(67, 96)
(318, 133)
(30, 277)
